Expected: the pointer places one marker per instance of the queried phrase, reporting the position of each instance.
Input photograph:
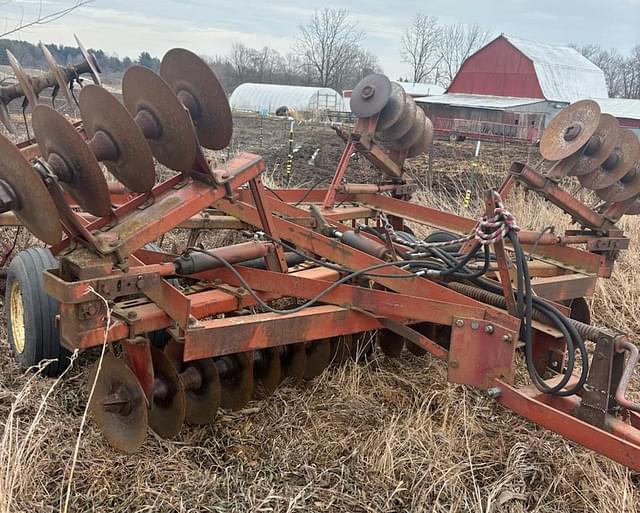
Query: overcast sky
(127, 27)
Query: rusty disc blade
(625, 153)
(201, 384)
(267, 372)
(101, 111)
(606, 135)
(203, 402)
(91, 62)
(390, 343)
(237, 386)
(168, 408)
(118, 405)
(5, 118)
(189, 75)
(342, 349)
(83, 179)
(400, 129)
(318, 357)
(36, 210)
(414, 135)
(423, 145)
(625, 188)
(370, 95)
(55, 70)
(144, 90)
(392, 111)
(293, 360)
(570, 130)
(634, 209)
(23, 79)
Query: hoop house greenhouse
(269, 97)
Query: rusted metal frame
(148, 317)
(110, 286)
(549, 352)
(172, 301)
(275, 261)
(570, 257)
(622, 345)
(142, 224)
(344, 255)
(605, 372)
(330, 197)
(480, 352)
(305, 218)
(390, 164)
(203, 221)
(410, 334)
(620, 442)
(294, 196)
(218, 337)
(398, 190)
(551, 191)
(137, 356)
(560, 288)
(501, 258)
(378, 302)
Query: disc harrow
(205, 329)
(61, 79)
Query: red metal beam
(622, 444)
(250, 332)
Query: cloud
(210, 27)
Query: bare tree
(610, 62)
(632, 74)
(328, 46)
(457, 43)
(421, 46)
(43, 18)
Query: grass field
(381, 436)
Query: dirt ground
(378, 436)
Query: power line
(49, 18)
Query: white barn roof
(565, 75)
(620, 107)
(479, 101)
(258, 97)
(416, 89)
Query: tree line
(621, 72)
(31, 56)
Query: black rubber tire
(41, 337)
(159, 339)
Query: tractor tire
(31, 313)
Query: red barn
(514, 67)
(511, 88)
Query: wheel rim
(17, 317)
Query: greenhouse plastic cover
(268, 97)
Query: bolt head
(475, 325)
(454, 364)
(132, 316)
(489, 328)
(459, 323)
(507, 337)
(494, 392)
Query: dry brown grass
(385, 436)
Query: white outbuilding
(270, 97)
